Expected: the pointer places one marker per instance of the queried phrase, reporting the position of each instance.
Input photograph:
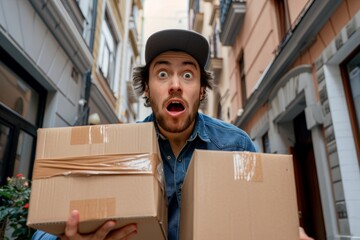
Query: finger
(125, 232)
(71, 228)
(103, 231)
(303, 235)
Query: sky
(162, 14)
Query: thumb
(72, 223)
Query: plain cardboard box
(239, 195)
(106, 172)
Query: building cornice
(64, 30)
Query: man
(174, 83)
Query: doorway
(307, 186)
(22, 105)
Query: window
(215, 43)
(17, 95)
(284, 24)
(219, 110)
(107, 54)
(351, 80)
(266, 143)
(87, 10)
(242, 80)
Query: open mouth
(175, 106)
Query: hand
(104, 232)
(303, 235)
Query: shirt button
(179, 160)
(168, 157)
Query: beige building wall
(112, 101)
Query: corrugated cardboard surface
(231, 195)
(128, 196)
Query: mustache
(174, 95)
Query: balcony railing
(232, 14)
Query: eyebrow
(161, 62)
(191, 63)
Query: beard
(173, 125)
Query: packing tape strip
(89, 135)
(247, 167)
(117, 164)
(96, 165)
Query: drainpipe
(84, 116)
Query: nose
(175, 84)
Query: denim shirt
(210, 134)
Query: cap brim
(190, 42)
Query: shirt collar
(199, 129)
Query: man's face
(174, 91)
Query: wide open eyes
(187, 75)
(163, 74)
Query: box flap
(96, 140)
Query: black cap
(190, 42)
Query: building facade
(116, 51)
(44, 59)
(287, 72)
(61, 62)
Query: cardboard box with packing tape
(106, 172)
(239, 195)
